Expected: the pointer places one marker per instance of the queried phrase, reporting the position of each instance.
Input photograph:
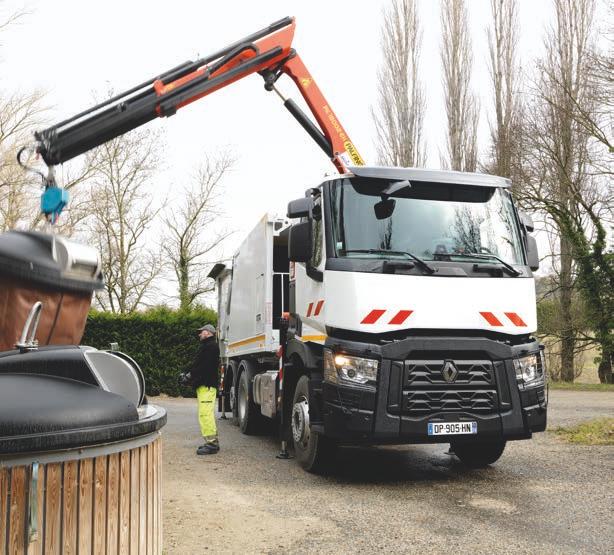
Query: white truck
(411, 306)
(410, 295)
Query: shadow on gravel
(383, 465)
(372, 465)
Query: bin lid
(49, 260)
(45, 413)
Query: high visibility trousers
(206, 412)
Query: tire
(228, 390)
(232, 394)
(248, 414)
(313, 451)
(226, 402)
(479, 454)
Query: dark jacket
(204, 369)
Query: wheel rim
(300, 422)
(242, 402)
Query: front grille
(425, 390)
(425, 402)
(425, 373)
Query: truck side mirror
(299, 242)
(526, 221)
(300, 208)
(532, 253)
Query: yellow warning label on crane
(353, 153)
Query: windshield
(431, 220)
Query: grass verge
(599, 431)
(582, 386)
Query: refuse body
(80, 455)
(45, 268)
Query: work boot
(208, 449)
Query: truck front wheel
(313, 451)
(480, 454)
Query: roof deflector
(434, 176)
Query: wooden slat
(160, 519)
(150, 505)
(53, 504)
(112, 503)
(100, 505)
(154, 469)
(86, 487)
(135, 466)
(124, 502)
(17, 510)
(70, 508)
(36, 547)
(5, 484)
(143, 500)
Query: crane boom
(268, 52)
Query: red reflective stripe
(309, 309)
(491, 318)
(318, 308)
(400, 317)
(373, 316)
(515, 319)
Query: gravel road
(542, 496)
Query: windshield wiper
(426, 267)
(486, 256)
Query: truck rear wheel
(313, 451)
(230, 392)
(479, 454)
(248, 416)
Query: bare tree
(190, 237)
(462, 108)
(596, 115)
(122, 211)
(505, 77)
(401, 103)
(11, 18)
(19, 114)
(561, 182)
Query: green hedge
(162, 341)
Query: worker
(204, 377)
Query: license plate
(452, 428)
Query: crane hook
(53, 199)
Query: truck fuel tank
(265, 392)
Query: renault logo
(449, 371)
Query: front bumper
(411, 392)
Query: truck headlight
(341, 369)
(530, 370)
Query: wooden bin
(103, 499)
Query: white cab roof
(433, 176)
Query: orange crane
(267, 52)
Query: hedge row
(162, 341)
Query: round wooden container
(100, 495)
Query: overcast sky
(73, 49)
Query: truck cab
(412, 308)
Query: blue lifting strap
(53, 201)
